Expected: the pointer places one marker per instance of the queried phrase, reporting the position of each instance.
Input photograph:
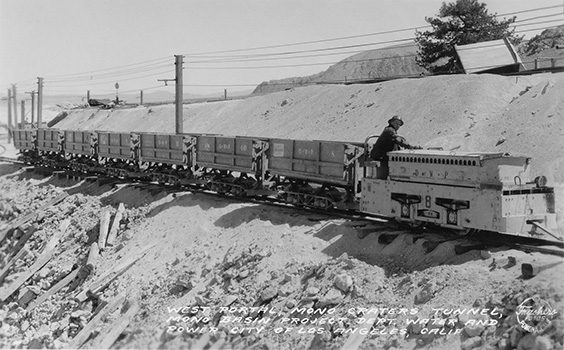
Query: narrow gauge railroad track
(10, 160)
(481, 239)
(527, 244)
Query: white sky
(79, 45)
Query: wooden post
(141, 97)
(533, 269)
(15, 103)
(92, 256)
(22, 125)
(88, 96)
(104, 223)
(115, 226)
(225, 94)
(32, 93)
(9, 116)
(39, 101)
(179, 127)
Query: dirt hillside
(519, 115)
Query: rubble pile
(54, 322)
(194, 271)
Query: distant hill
(399, 62)
(544, 49)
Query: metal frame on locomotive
(464, 191)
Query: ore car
(321, 174)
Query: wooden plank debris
(6, 291)
(20, 255)
(118, 327)
(109, 276)
(100, 284)
(533, 269)
(24, 238)
(58, 235)
(31, 216)
(104, 224)
(57, 287)
(84, 334)
(93, 255)
(115, 226)
(354, 340)
(41, 261)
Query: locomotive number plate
(428, 213)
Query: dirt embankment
(519, 115)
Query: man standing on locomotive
(389, 141)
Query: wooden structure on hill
(495, 56)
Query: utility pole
(9, 116)
(15, 104)
(22, 125)
(141, 97)
(179, 119)
(88, 96)
(32, 93)
(179, 93)
(117, 98)
(39, 101)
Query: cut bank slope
(520, 115)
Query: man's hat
(395, 117)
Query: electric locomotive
(467, 191)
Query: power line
(348, 37)
(101, 70)
(117, 74)
(113, 80)
(158, 63)
(243, 58)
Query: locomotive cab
(372, 168)
(464, 191)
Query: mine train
(481, 191)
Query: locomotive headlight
(541, 181)
(452, 217)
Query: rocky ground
(219, 273)
(189, 270)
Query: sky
(79, 45)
